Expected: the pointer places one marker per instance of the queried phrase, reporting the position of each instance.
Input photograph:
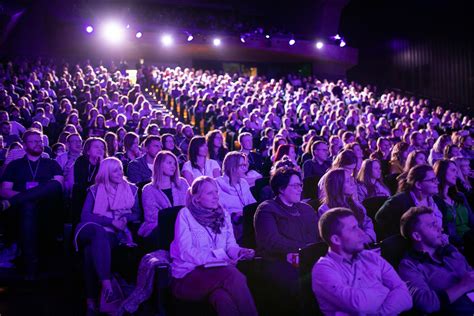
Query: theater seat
(166, 219)
(309, 255)
(248, 237)
(373, 204)
(310, 187)
(393, 248)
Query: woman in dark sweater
(282, 226)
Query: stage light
(342, 43)
(167, 40)
(337, 37)
(292, 42)
(113, 32)
(242, 39)
(319, 45)
(128, 26)
(190, 38)
(267, 36)
(139, 35)
(89, 29)
(216, 42)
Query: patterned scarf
(212, 218)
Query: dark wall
(419, 46)
(440, 69)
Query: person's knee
(236, 278)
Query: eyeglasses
(296, 185)
(432, 180)
(244, 165)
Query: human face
(292, 193)
(168, 166)
(246, 143)
(218, 141)
(349, 185)
(376, 170)
(451, 174)
(385, 146)
(428, 232)
(116, 175)
(242, 168)
(465, 168)
(75, 144)
(455, 152)
(292, 154)
(168, 144)
(34, 145)
(429, 185)
(358, 152)
(153, 148)
(135, 148)
(321, 152)
(209, 197)
(203, 151)
(349, 169)
(97, 150)
(351, 237)
(420, 159)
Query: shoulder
(213, 163)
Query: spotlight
(89, 29)
(139, 35)
(167, 40)
(113, 32)
(190, 38)
(337, 37)
(267, 36)
(342, 43)
(292, 42)
(242, 39)
(128, 26)
(216, 42)
(319, 45)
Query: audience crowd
(308, 161)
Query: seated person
(283, 225)
(339, 190)
(437, 275)
(167, 189)
(317, 166)
(111, 204)
(32, 191)
(139, 170)
(417, 189)
(203, 235)
(255, 159)
(458, 218)
(369, 180)
(349, 280)
(199, 164)
(234, 191)
(347, 160)
(86, 167)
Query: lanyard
(33, 174)
(89, 174)
(240, 195)
(213, 239)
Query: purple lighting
(292, 42)
(139, 35)
(89, 29)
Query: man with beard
(32, 188)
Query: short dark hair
(29, 132)
(410, 220)
(330, 222)
(281, 178)
(150, 139)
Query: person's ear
(417, 185)
(416, 236)
(335, 240)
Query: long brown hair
(366, 175)
(334, 193)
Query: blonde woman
(111, 204)
(203, 237)
(167, 189)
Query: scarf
(114, 203)
(212, 218)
